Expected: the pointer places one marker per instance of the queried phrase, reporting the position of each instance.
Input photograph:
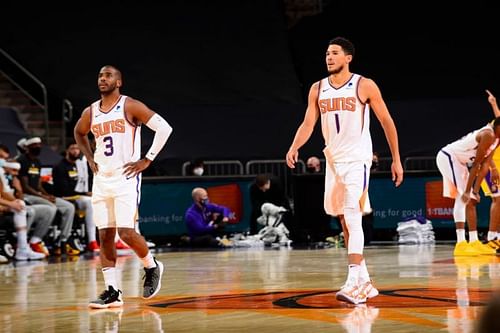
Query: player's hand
(132, 169)
(397, 172)
(465, 198)
(93, 165)
(475, 197)
(292, 157)
(491, 98)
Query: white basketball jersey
(465, 148)
(345, 122)
(118, 141)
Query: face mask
(35, 151)
(2, 162)
(203, 202)
(311, 169)
(8, 177)
(374, 165)
(198, 171)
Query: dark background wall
(232, 77)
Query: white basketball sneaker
(368, 289)
(351, 293)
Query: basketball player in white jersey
(343, 100)
(115, 121)
(460, 163)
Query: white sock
(460, 235)
(492, 235)
(148, 261)
(472, 236)
(363, 272)
(35, 240)
(22, 240)
(353, 274)
(110, 277)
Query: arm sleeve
(162, 132)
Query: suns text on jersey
(337, 104)
(110, 126)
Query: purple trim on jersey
(91, 116)
(364, 177)
(346, 82)
(337, 122)
(110, 109)
(125, 116)
(357, 91)
(319, 91)
(451, 165)
(137, 189)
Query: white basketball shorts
(115, 200)
(346, 185)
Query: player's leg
(105, 221)
(454, 182)
(126, 211)
(471, 214)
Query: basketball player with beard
(115, 121)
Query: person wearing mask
(12, 190)
(205, 221)
(197, 168)
(313, 165)
(68, 184)
(34, 193)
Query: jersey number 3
(109, 145)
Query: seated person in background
(313, 165)
(69, 184)
(39, 215)
(34, 193)
(265, 189)
(205, 221)
(18, 207)
(196, 168)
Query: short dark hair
(4, 148)
(115, 69)
(262, 180)
(346, 45)
(70, 143)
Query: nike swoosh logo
(129, 177)
(326, 89)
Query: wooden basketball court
(422, 289)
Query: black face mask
(374, 165)
(203, 202)
(311, 169)
(73, 158)
(35, 151)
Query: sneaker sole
(345, 298)
(106, 306)
(160, 265)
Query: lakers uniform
(115, 197)
(345, 124)
(454, 160)
(489, 188)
